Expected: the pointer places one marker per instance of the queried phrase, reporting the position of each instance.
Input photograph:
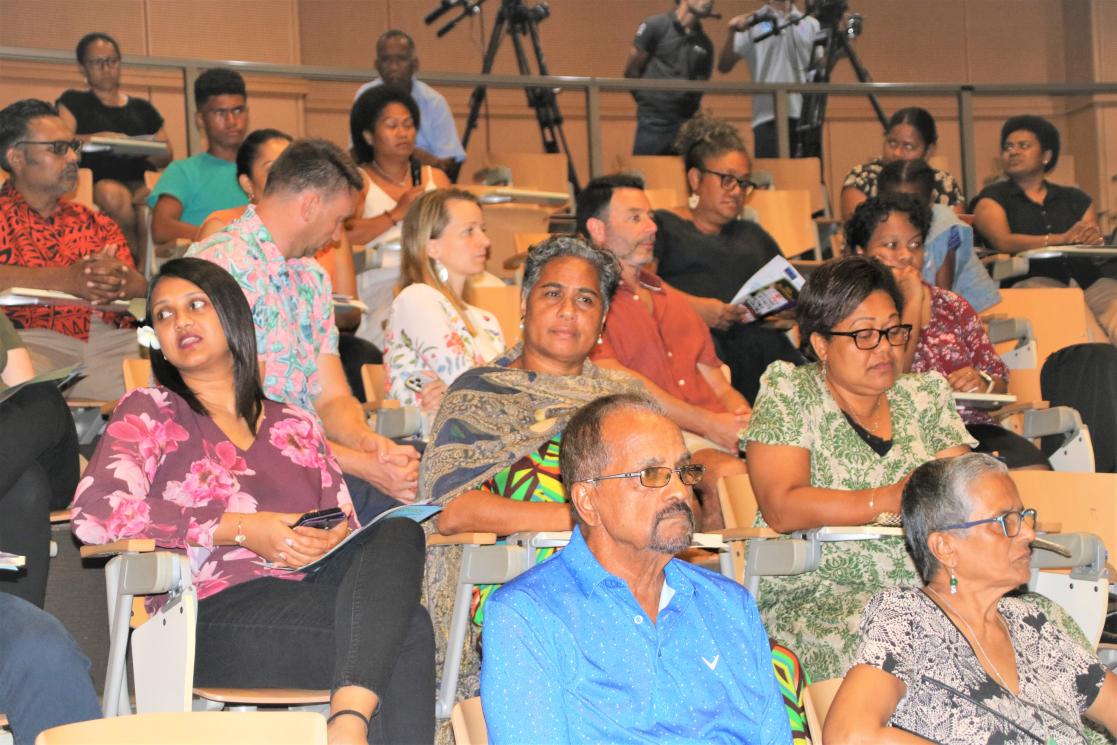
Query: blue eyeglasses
(1010, 522)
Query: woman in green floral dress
(831, 443)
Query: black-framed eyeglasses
(58, 147)
(1010, 522)
(728, 180)
(867, 339)
(657, 477)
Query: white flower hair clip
(145, 335)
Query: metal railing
(593, 88)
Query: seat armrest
(1018, 407)
(1058, 420)
(461, 539)
(125, 546)
(60, 516)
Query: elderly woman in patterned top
(962, 660)
(831, 443)
(948, 336)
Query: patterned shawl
(493, 416)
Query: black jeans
(656, 136)
(357, 621)
(764, 139)
(38, 473)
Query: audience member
(652, 332)
(965, 659)
(39, 469)
(254, 160)
(437, 142)
(433, 333)
(382, 123)
(950, 261)
(48, 242)
(310, 190)
(574, 626)
(708, 252)
(234, 472)
(831, 443)
(44, 677)
(671, 46)
(191, 189)
(493, 455)
(909, 134)
(949, 337)
(105, 111)
(782, 56)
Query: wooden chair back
(137, 373)
(372, 380)
(468, 722)
(665, 199)
(543, 171)
(1078, 502)
(83, 190)
(504, 303)
(797, 173)
(658, 172)
(503, 222)
(738, 502)
(194, 728)
(524, 241)
(786, 215)
(817, 700)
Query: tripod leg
(863, 76)
(550, 100)
(478, 96)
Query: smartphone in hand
(324, 519)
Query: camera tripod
(517, 20)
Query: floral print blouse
(426, 334)
(165, 472)
(954, 338)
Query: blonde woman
(433, 333)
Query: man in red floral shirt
(48, 242)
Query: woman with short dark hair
(965, 659)
(831, 443)
(910, 134)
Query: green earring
(953, 583)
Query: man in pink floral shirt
(311, 189)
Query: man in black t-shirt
(670, 45)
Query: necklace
(382, 172)
(973, 635)
(844, 405)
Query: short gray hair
(562, 246)
(938, 494)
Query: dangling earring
(599, 341)
(953, 583)
(692, 201)
(440, 270)
(521, 323)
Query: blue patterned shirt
(570, 656)
(292, 306)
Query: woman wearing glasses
(106, 111)
(910, 134)
(960, 660)
(707, 252)
(947, 333)
(831, 443)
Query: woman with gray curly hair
(707, 252)
(492, 460)
(966, 659)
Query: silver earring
(599, 341)
(692, 201)
(521, 324)
(440, 270)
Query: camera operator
(670, 45)
(776, 42)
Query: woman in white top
(383, 123)
(434, 334)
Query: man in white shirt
(780, 58)
(437, 143)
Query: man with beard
(653, 333)
(614, 640)
(48, 242)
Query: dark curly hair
(1044, 131)
(705, 136)
(367, 109)
(875, 210)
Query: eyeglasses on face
(868, 339)
(728, 181)
(1010, 522)
(657, 477)
(57, 147)
(102, 63)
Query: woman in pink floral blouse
(947, 335)
(207, 466)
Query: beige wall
(974, 41)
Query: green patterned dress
(817, 613)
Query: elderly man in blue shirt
(614, 640)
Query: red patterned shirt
(954, 338)
(74, 231)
